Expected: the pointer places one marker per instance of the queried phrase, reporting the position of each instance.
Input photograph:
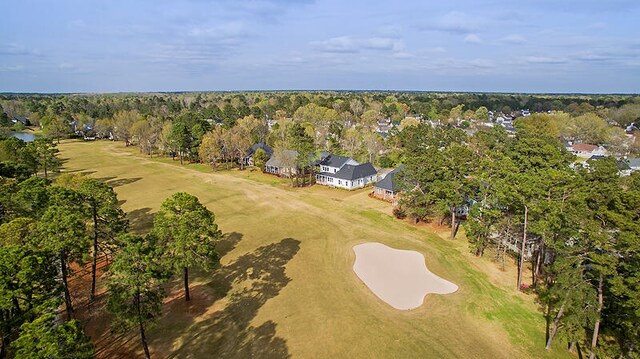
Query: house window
(339, 181)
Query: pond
(25, 136)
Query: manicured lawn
(286, 284)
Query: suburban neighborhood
(281, 179)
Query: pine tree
(135, 280)
(62, 230)
(188, 231)
(43, 338)
(107, 219)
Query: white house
(344, 172)
(333, 163)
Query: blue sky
(171, 45)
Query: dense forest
(575, 225)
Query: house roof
(584, 147)
(596, 158)
(22, 119)
(352, 172)
(275, 161)
(623, 165)
(633, 162)
(389, 182)
(266, 148)
(334, 161)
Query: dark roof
(334, 161)
(22, 119)
(389, 182)
(596, 158)
(623, 165)
(321, 156)
(266, 148)
(351, 172)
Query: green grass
(286, 284)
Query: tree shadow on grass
(105, 179)
(228, 243)
(222, 329)
(123, 181)
(87, 173)
(141, 220)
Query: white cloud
(437, 50)
(226, 32)
(66, 66)
(455, 22)
(515, 39)
(548, 60)
(403, 55)
(348, 44)
(11, 68)
(472, 39)
(13, 49)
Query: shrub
(399, 212)
(385, 161)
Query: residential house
(283, 164)
(634, 163)
(344, 172)
(21, 119)
(585, 150)
(595, 158)
(628, 166)
(384, 125)
(248, 159)
(333, 163)
(387, 189)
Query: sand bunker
(399, 277)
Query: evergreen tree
(107, 219)
(188, 231)
(43, 338)
(28, 278)
(135, 280)
(62, 230)
(260, 158)
(44, 151)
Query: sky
(585, 46)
